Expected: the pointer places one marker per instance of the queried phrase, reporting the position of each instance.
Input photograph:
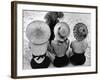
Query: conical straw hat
(38, 32)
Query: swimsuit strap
(40, 56)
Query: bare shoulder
(73, 42)
(85, 44)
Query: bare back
(79, 46)
(60, 49)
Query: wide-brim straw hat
(80, 31)
(38, 32)
(61, 29)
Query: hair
(52, 20)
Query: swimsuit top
(79, 47)
(39, 59)
(40, 56)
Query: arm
(29, 45)
(67, 43)
(50, 52)
(85, 46)
(71, 45)
(51, 56)
(50, 48)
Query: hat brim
(80, 35)
(56, 30)
(38, 32)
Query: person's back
(60, 44)
(79, 46)
(60, 49)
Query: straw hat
(38, 32)
(80, 31)
(61, 31)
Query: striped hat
(80, 31)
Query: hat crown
(61, 30)
(80, 31)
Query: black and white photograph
(54, 39)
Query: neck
(63, 40)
